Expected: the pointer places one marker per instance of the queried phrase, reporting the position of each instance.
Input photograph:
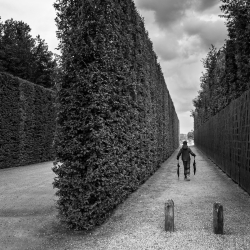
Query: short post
(169, 216)
(218, 218)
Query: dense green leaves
(27, 122)
(116, 121)
(24, 56)
(227, 70)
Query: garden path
(28, 215)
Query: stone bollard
(218, 218)
(169, 216)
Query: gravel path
(27, 204)
(138, 223)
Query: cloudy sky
(181, 30)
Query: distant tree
(16, 46)
(57, 73)
(190, 135)
(227, 70)
(24, 56)
(237, 15)
(44, 64)
(206, 103)
(183, 137)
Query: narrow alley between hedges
(138, 223)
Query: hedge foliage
(225, 138)
(27, 122)
(116, 121)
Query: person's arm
(179, 154)
(191, 152)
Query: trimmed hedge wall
(225, 138)
(27, 122)
(116, 121)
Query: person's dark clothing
(185, 152)
(186, 167)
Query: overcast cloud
(39, 15)
(181, 31)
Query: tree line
(25, 56)
(227, 70)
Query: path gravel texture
(27, 204)
(138, 223)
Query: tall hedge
(225, 138)
(116, 121)
(27, 122)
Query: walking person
(185, 152)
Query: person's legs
(186, 165)
(185, 169)
(188, 170)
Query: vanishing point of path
(28, 214)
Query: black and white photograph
(125, 125)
